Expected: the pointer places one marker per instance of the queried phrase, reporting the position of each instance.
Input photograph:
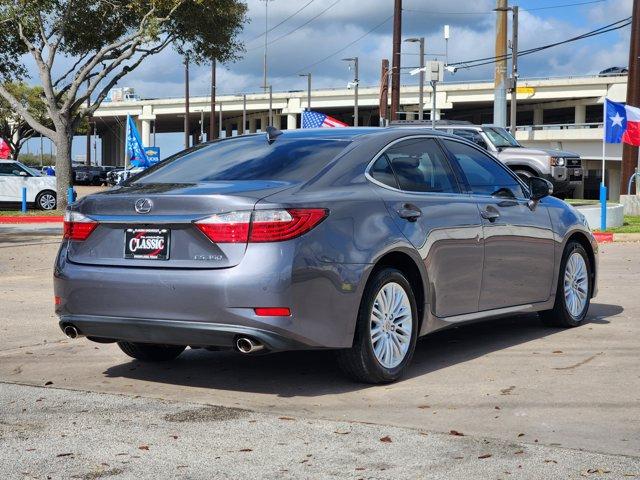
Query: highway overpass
(552, 112)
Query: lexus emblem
(143, 205)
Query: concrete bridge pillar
(277, 121)
(538, 116)
(264, 122)
(252, 124)
(113, 145)
(144, 121)
(410, 115)
(228, 129)
(292, 121)
(581, 114)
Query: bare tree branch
(24, 113)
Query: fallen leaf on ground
(342, 433)
(518, 452)
(64, 454)
(456, 433)
(486, 455)
(424, 406)
(550, 461)
(143, 447)
(245, 450)
(520, 435)
(386, 439)
(48, 383)
(557, 351)
(286, 418)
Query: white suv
(41, 191)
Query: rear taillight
(78, 227)
(261, 225)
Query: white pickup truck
(41, 191)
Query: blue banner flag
(615, 121)
(135, 149)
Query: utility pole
(186, 102)
(213, 131)
(384, 92)
(500, 93)
(244, 112)
(308, 75)
(630, 152)
(395, 59)
(514, 70)
(266, 35)
(421, 95)
(355, 83)
(87, 160)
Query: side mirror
(539, 188)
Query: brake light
(261, 225)
(77, 227)
(272, 311)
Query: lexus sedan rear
(355, 240)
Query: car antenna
(272, 134)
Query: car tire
(46, 200)
(524, 174)
(150, 352)
(388, 360)
(573, 294)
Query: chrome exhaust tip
(71, 331)
(247, 345)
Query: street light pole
(244, 112)
(308, 75)
(186, 102)
(514, 70)
(355, 83)
(421, 96)
(266, 35)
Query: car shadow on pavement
(314, 373)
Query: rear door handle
(490, 215)
(410, 212)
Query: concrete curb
(609, 237)
(31, 219)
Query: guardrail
(559, 126)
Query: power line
(283, 21)
(297, 28)
(599, 31)
(491, 12)
(308, 67)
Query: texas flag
(622, 123)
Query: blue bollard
(24, 199)
(603, 207)
(70, 195)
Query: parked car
(87, 175)
(563, 169)
(358, 240)
(611, 71)
(41, 191)
(104, 172)
(119, 175)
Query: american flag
(312, 119)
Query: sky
(324, 31)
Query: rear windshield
(248, 158)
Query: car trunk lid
(172, 211)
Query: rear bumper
(174, 332)
(210, 307)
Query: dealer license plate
(147, 243)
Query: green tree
(82, 49)
(13, 128)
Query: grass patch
(631, 225)
(30, 213)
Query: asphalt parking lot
(503, 399)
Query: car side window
(484, 175)
(10, 170)
(420, 165)
(471, 135)
(381, 171)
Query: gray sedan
(358, 240)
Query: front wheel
(149, 352)
(386, 330)
(46, 200)
(573, 294)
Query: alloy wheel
(48, 201)
(391, 325)
(576, 284)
